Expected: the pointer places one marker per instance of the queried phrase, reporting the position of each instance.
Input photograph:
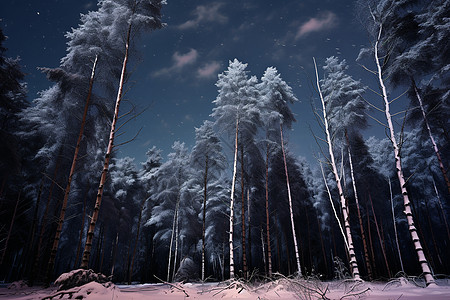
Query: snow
(282, 288)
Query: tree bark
(10, 228)
(51, 262)
(205, 195)
(398, 164)
(361, 227)
(269, 251)
(80, 239)
(297, 257)
(383, 250)
(233, 183)
(90, 234)
(176, 243)
(116, 242)
(345, 215)
(172, 236)
(137, 240)
(244, 256)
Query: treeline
(370, 207)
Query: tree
(171, 178)
(421, 51)
(379, 19)
(72, 171)
(12, 102)
(326, 110)
(276, 94)
(136, 15)
(235, 109)
(207, 157)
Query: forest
(239, 203)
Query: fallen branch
(172, 285)
(355, 294)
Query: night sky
(175, 72)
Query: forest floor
(284, 288)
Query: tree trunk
(269, 251)
(435, 147)
(372, 252)
(249, 227)
(80, 239)
(172, 236)
(137, 240)
(383, 250)
(334, 210)
(430, 224)
(263, 251)
(441, 209)
(319, 227)
(297, 257)
(10, 229)
(398, 164)
(29, 256)
(233, 183)
(176, 244)
(90, 234)
(345, 215)
(205, 195)
(44, 219)
(51, 262)
(244, 256)
(363, 236)
(116, 242)
(395, 227)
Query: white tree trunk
(294, 235)
(350, 248)
(363, 237)
(233, 183)
(334, 209)
(398, 165)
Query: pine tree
(276, 94)
(236, 112)
(207, 157)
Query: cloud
(322, 22)
(203, 14)
(184, 59)
(179, 62)
(209, 70)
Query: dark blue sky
(176, 70)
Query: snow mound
(92, 290)
(18, 285)
(80, 277)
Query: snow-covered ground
(279, 289)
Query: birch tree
(378, 19)
(332, 162)
(236, 111)
(134, 15)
